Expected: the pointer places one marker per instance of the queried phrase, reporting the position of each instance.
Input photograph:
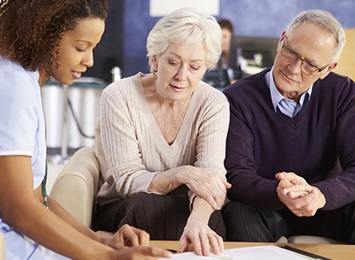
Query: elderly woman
(163, 137)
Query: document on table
(247, 253)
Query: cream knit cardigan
(135, 149)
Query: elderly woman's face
(180, 69)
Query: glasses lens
(288, 54)
(291, 56)
(309, 69)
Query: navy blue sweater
(262, 142)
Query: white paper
(246, 253)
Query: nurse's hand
(125, 236)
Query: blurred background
(129, 22)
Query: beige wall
(346, 65)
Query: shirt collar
(276, 96)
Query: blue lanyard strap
(44, 190)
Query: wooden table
(332, 251)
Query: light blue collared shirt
(22, 125)
(287, 106)
(22, 132)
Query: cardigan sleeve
(127, 172)
(212, 133)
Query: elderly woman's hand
(202, 237)
(202, 182)
(207, 185)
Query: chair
(77, 185)
(2, 246)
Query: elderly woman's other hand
(202, 182)
(198, 233)
(207, 185)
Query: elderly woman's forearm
(164, 182)
(201, 210)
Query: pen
(299, 251)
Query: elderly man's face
(312, 44)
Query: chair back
(2, 246)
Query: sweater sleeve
(212, 133)
(339, 189)
(126, 169)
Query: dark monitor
(256, 52)
(217, 78)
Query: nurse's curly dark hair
(31, 29)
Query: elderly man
(290, 125)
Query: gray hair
(325, 20)
(186, 26)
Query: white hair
(186, 26)
(325, 20)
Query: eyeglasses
(291, 56)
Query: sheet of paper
(246, 253)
